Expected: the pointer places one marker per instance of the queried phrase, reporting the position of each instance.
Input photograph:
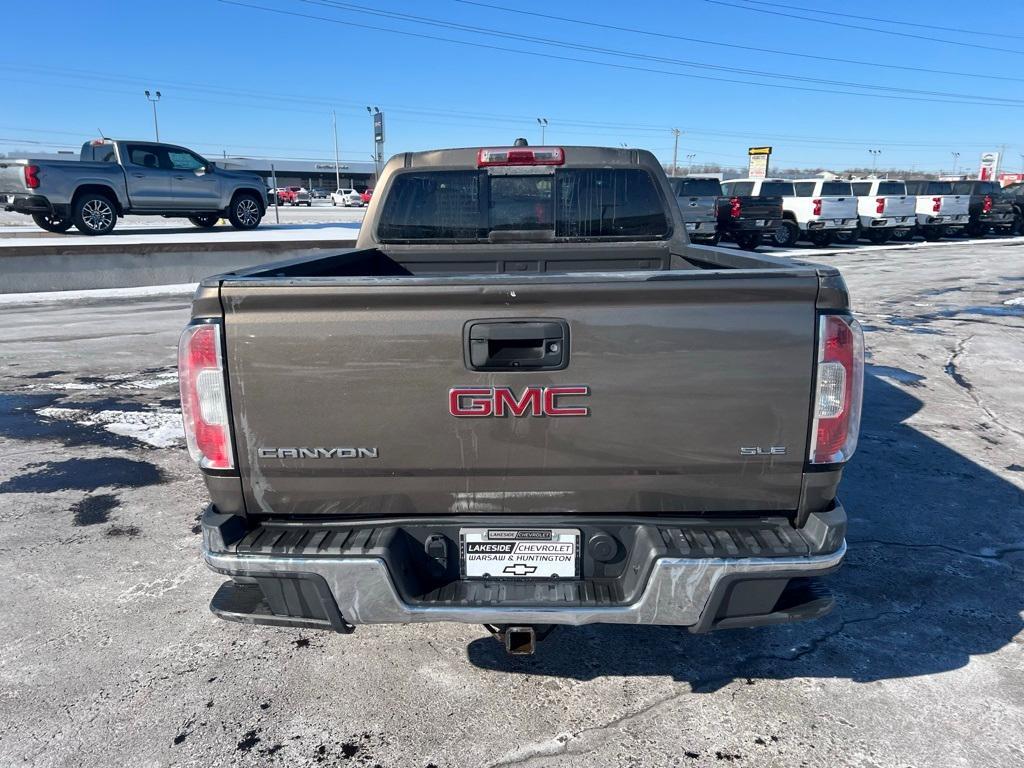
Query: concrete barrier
(50, 266)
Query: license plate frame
(514, 553)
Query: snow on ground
(1017, 302)
(160, 428)
(182, 289)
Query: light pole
(689, 161)
(543, 123)
(337, 169)
(675, 149)
(153, 100)
(956, 161)
(378, 140)
(874, 158)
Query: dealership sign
(757, 167)
(989, 164)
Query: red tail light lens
(817, 207)
(204, 402)
(32, 176)
(986, 205)
(735, 208)
(840, 389)
(936, 204)
(879, 205)
(520, 156)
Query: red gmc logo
(499, 401)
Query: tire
(932, 234)
(821, 238)
(334, 203)
(784, 235)
(848, 236)
(206, 221)
(878, 236)
(748, 241)
(976, 229)
(94, 214)
(309, 203)
(51, 223)
(1018, 224)
(245, 211)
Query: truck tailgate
(697, 384)
(12, 178)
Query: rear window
(738, 188)
(892, 188)
(975, 188)
(938, 188)
(778, 189)
(804, 188)
(840, 188)
(697, 187)
(861, 188)
(574, 204)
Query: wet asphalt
(108, 655)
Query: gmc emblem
(499, 401)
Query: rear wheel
(206, 221)
(51, 223)
(878, 236)
(784, 235)
(1018, 224)
(848, 235)
(821, 238)
(748, 241)
(931, 234)
(93, 214)
(976, 229)
(245, 212)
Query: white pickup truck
(814, 209)
(939, 211)
(885, 210)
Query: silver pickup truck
(523, 400)
(115, 178)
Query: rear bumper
(31, 204)
(817, 224)
(888, 222)
(693, 574)
(750, 225)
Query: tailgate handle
(502, 345)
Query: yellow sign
(757, 167)
(759, 151)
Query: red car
(294, 196)
(366, 195)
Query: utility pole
(337, 168)
(153, 100)
(675, 149)
(543, 123)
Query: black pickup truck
(990, 207)
(745, 218)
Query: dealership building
(311, 174)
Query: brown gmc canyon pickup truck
(523, 400)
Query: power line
(918, 25)
(756, 49)
(611, 65)
(865, 28)
(478, 30)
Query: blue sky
(243, 80)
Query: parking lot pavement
(108, 655)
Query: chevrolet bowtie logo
(519, 569)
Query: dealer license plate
(520, 553)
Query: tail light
(936, 204)
(32, 176)
(817, 207)
(840, 389)
(735, 208)
(520, 156)
(986, 205)
(879, 205)
(204, 402)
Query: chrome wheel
(97, 215)
(781, 235)
(248, 212)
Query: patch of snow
(182, 289)
(160, 428)
(1017, 302)
(76, 385)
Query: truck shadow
(932, 578)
